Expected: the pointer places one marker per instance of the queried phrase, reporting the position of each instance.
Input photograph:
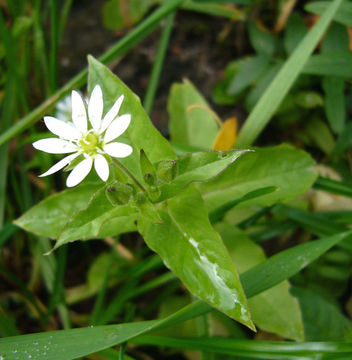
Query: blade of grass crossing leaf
(287, 263)
(279, 87)
(122, 46)
(158, 64)
(70, 344)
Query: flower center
(90, 144)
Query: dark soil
(198, 51)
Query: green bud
(154, 193)
(167, 170)
(147, 169)
(118, 193)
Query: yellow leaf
(226, 136)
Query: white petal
(61, 164)
(118, 150)
(101, 167)
(79, 172)
(61, 128)
(95, 107)
(117, 127)
(79, 114)
(55, 146)
(111, 114)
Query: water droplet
(35, 343)
(14, 351)
(29, 356)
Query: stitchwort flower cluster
(87, 142)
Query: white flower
(90, 142)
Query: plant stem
(128, 173)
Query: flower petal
(55, 146)
(79, 114)
(118, 150)
(95, 108)
(101, 167)
(59, 165)
(62, 129)
(117, 127)
(79, 172)
(111, 114)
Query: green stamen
(90, 144)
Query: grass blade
(333, 186)
(254, 349)
(158, 64)
(283, 81)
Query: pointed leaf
(285, 167)
(191, 120)
(141, 134)
(191, 248)
(80, 213)
(49, 216)
(198, 167)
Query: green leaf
(198, 167)
(50, 216)
(323, 321)
(191, 248)
(82, 213)
(336, 40)
(214, 9)
(320, 134)
(117, 16)
(285, 167)
(274, 310)
(155, 146)
(330, 64)
(261, 85)
(191, 122)
(98, 219)
(335, 104)
(343, 15)
(280, 86)
(308, 99)
(249, 72)
(262, 42)
(295, 30)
